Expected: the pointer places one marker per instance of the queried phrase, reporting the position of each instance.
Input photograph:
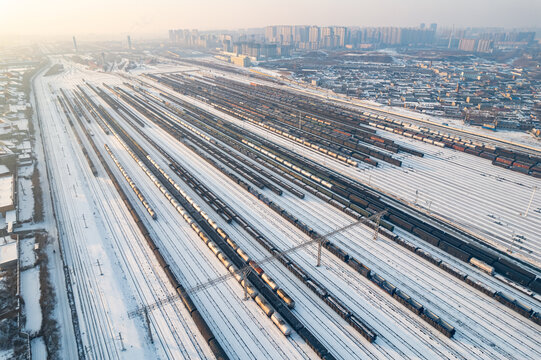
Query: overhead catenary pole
(513, 238)
(376, 228)
(99, 266)
(121, 342)
(244, 284)
(531, 200)
(246, 269)
(147, 320)
(319, 246)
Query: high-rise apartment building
(467, 45)
(270, 34)
(314, 37)
(326, 35)
(301, 34)
(341, 35)
(485, 45)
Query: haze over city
(65, 17)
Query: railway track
(94, 324)
(461, 234)
(354, 105)
(285, 235)
(441, 222)
(145, 272)
(255, 339)
(240, 326)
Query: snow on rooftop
(6, 191)
(4, 170)
(6, 354)
(17, 107)
(8, 252)
(11, 216)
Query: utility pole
(319, 245)
(244, 282)
(322, 239)
(513, 238)
(376, 228)
(244, 271)
(148, 326)
(99, 266)
(121, 342)
(530, 203)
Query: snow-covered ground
(27, 253)
(61, 311)
(8, 250)
(194, 263)
(92, 223)
(6, 190)
(460, 188)
(25, 196)
(520, 137)
(39, 351)
(25, 171)
(403, 114)
(30, 291)
(6, 354)
(420, 279)
(95, 226)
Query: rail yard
(209, 212)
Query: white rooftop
(6, 190)
(4, 170)
(8, 252)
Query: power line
(244, 271)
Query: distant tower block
(75, 44)
(129, 42)
(451, 37)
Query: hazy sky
(79, 17)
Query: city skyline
(60, 17)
